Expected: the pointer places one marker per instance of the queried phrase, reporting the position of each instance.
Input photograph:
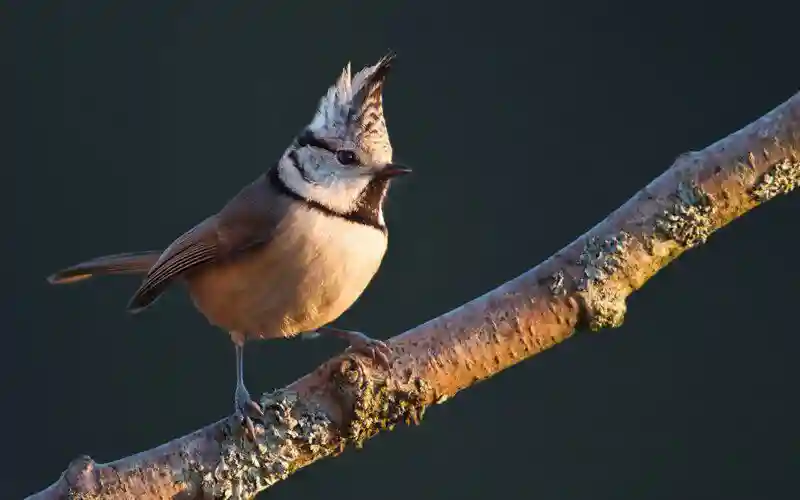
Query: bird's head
(343, 158)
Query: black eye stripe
(343, 156)
(307, 138)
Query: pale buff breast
(301, 280)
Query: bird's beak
(393, 170)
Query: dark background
(124, 123)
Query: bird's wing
(249, 220)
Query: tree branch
(583, 286)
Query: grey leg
(243, 404)
(374, 348)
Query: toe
(378, 351)
(255, 407)
(382, 358)
(251, 429)
(384, 348)
(382, 352)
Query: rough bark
(584, 286)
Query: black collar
(368, 211)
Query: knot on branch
(604, 305)
(378, 401)
(294, 433)
(603, 298)
(80, 478)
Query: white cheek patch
(315, 167)
(339, 194)
(343, 194)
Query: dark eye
(346, 157)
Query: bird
(295, 248)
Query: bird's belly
(298, 282)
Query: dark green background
(124, 123)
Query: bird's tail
(121, 263)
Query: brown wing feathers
(196, 246)
(247, 221)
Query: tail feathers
(122, 263)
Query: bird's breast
(310, 272)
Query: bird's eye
(346, 157)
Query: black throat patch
(368, 207)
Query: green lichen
(604, 301)
(600, 258)
(378, 403)
(75, 495)
(689, 220)
(605, 305)
(293, 432)
(556, 285)
(781, 178)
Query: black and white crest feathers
(352, 110)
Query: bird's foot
(361, 343)
(374, 348)
(246, 408)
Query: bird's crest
(352, 109)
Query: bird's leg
(243, 404)
(374, 348)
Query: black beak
(394, 170)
